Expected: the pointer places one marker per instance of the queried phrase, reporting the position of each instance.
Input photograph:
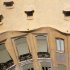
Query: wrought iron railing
(13, 67)
(25, 57)
(6, 65)
(43, 55)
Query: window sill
(59, 52)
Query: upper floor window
(29, 14)
(5, 59)
(1, 18)
(66, 13)
(22, 48)
(42, 45)
(60, 45)
(8, 3)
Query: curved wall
(33, 46)
(47, 14)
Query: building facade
(34, 35)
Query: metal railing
(25, 57)
(13, 67)
(43, 55)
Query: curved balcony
(43, 55)
(29, 63)
(25, 57)
(13, 67)
(29, 56)
(6, 65)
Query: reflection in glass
(5, 59)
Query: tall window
(42, 43)
(5, 59)
(42, 46)
(60, 45)
(22, 48)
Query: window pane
(5, 59)
(42, 43)
(61, 67)
(60, 45)
(21, 45)
(4, 55)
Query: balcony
(43, 55)
(4, 66)
(13, 67)
(25, 57)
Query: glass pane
(61, 67)
(58, 44)
(42, 43)
(5, 59)
(22, 48)
(62, 45)
(21, 45)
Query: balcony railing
(4, 66)
(13, 67)
(25, 57)
(43, 55)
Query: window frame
(60, 51)
(42, 34)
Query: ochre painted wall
(47, 14)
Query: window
(1, 18)
(46, 65)
(66, 13)
(22, 48)
(60, 45)
(61, 67)
(29, 14)
(8, 3)
(5, 59)
(42, 45)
